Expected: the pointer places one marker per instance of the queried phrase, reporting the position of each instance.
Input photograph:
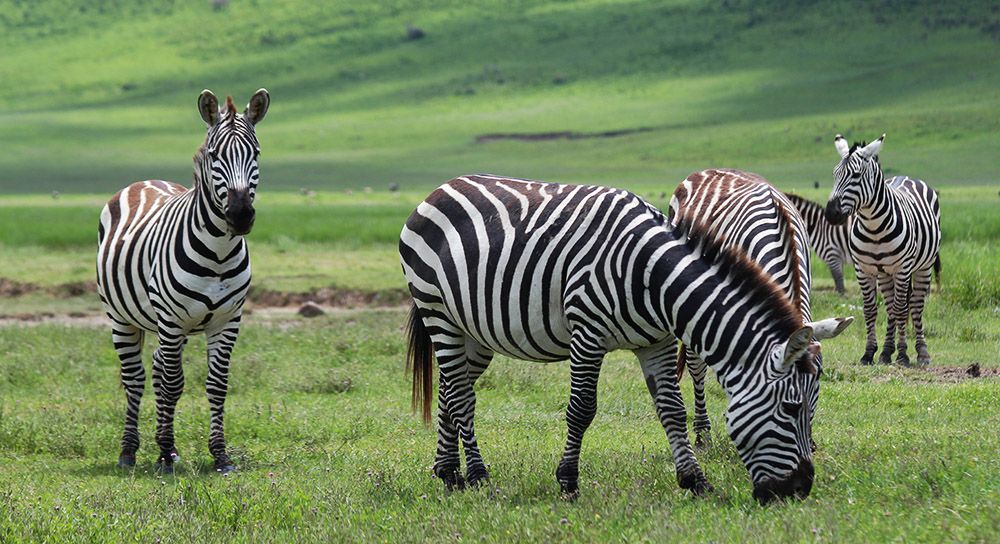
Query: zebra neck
(207, 225)
(873, 213)
(720, 317)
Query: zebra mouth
(798, 484)
(834, 212)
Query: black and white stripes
(895, 239)
(829, 241)
(546, 272)
(174, 262)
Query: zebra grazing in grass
(546, 272)
(750, 215)
(173, 261)
(895, 239)
(829, 241)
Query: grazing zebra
(749, 214)
(173, 262)
(829, 241)
(546, 272)
(895, 238)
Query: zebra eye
(856, 175)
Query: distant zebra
(546, 272)
(895, 239)
(173, 261)
(749, 214)
(829, 241)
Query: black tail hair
(420, 361)
(937, 271)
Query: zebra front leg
(128, 345)
(168, 384)
(868, 287)
(585, 369)
(902, 293)
(886, 286)
(220, 349)
(702, 423)
(659, 364)
(921, 288)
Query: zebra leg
(220, 348)
(585, 369)
(702, 424)
(479, 359)
(868, 284)
(921, 287)
(903, 290)
(128, 345)
(168, 384)
(837, 271)
(887, 287)
(449, 349)
(659, 366)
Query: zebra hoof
(867, 358)
(477, 476)
(126, 460)
(702, 440)
(569, 496)
(453, 480)
(174, 456)
(225, 469)
(165, 466)
(885, 358)
(903, 360)
(696, 483)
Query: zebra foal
(548, 272)
(174, 262)
(895, 240)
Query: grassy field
(100, 94)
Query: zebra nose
(834, 213)
(240, 213)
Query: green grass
(740, 84)
(901, 457)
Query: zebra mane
(797, 200)
(705, 240)
(860, 145)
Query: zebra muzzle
(835, 212)
(798, 484)
(240, 214)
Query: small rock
(815, 185)
(973, 370)
(413, 32)
(310, 309)
(393, 187)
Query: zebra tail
(681, 361)
(420, 361)
(937, 271)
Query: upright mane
(798, 201)
(702, 239)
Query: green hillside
(99, 95)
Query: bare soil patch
(562, 135)
(962, 373)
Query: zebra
(174, 262)
(546, 272)
(749, 214)
(829, 241)
(895, 240)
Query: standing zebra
(173, 261)
(895, 238)
(749, 214)
(546, 272)
(829, 241)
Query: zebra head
(771, 422)
(226, 165)
(856, 178)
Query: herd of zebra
(548, 272)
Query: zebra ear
(797, 344)
(257, 108)
(208, 107)
(872, 149)
(841, 144)
(830, 328)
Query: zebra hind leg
(868, 288)
(659, 368)
(702, 423)
(128, 344)
(454, 391)
(921, 287)
(168, 384)
(479, 359)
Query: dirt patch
(564, 135)
(330, 296)
(14, 288)
(962, 373)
